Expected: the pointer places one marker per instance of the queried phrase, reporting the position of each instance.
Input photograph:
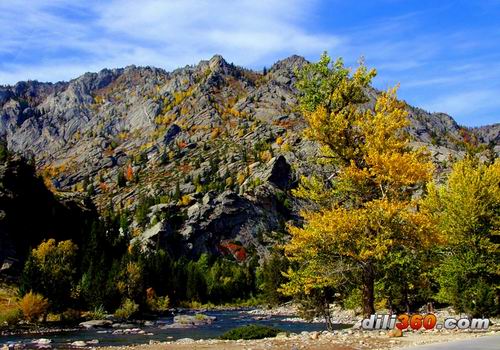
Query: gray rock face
(157, 233)
(230, 217)
(231, 138)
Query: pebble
(314, 335)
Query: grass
(8, 297)
(9, 308)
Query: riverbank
(190, 329)
(348, 340)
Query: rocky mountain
(206, 153)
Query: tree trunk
(407, 300)
(368, 290)
(328, 316)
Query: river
(225, 321)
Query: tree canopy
(365, 207)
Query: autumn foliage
(33, 306)
(365, 208)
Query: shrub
(286, 147)
(51, 270)
(200, 317)
(185, 200)
(251, 331)
(265, 156)
(71, 316)
(157, 303)
(33, 306)
(97, 314)
(215, 133)
(11, 317)
(127, 309)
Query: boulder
(96, 324)
(395, 333)
(162, 229)
(196, 320)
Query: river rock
(196, 320)
(42, 341)
(79, 343)
(185, 340)
(122, 325)
(96, 323)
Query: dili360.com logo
(418, 321)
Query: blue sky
(445, 54)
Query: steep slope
(207, 152)
(30, 213)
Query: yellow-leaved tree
(364, 207)
(467, 210)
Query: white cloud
(166, 34)
(438, 68)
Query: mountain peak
(217, 62)
(292, 62)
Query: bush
(33, 306)
(159, 304)
(97, 314)
(251, 331)
(51, 270)
(127, 310)
(11, 317)
(200, 317)
(71, 316)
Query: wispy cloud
(58, 37)
(445, 58)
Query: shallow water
(226, 320)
